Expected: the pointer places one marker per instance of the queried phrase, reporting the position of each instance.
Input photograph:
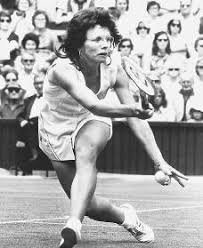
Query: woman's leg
(79, 182)
(100, 208)
(89, 142)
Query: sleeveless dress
(61, 116)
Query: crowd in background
(164, 37)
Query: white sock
(76, 225)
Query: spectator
(125, 47)
(27, 72)
(198, 46)
(153, 17)
(184, 100)
(189, 22)
(66, 9)
(142, 42)
(22, 18)
(13, 104)
(50, 8)
(196, 113)
(198, 85)
(47, 39)
(28, 120)
(163, 111)
(8, 39)
(177, 41)
(125, 22)
(10, 75)
(161, 51)
(30, 43)
(170, 80)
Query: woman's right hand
(144, 113)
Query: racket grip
(145, 102)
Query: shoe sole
(69, 238)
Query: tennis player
(75, 124)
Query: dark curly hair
(78, 27)
(30, 36)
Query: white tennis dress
(61, 116)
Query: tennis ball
(162, 178)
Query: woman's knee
(86, 154)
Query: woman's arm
(142, 130)
(68, 78)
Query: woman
(66, 9)
(30, 43)
(74, 124)
(8, 39)
(162, 110)
(161, 51)
(22, 18)
(170, 81)
(13, 103)
(125, 20)
(142, 41)
(177, 41)
(125, 47)
(47, 39)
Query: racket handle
(145, 102)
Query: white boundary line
(40, 221)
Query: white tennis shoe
(140, 231)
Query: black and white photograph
(101, 123)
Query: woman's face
(142, 29)
(30, 45)
(125, 48)
(158, 99)
(98, 44)
(154, 10)
(10, 77)
(5, 23)
(40, 21)
(173, 71)
(162, 42)
(121, 5)
(23, 5)
(175, 27)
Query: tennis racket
(137, 75)
(140, 79)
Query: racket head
(137, 76)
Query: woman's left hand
(172, 172)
